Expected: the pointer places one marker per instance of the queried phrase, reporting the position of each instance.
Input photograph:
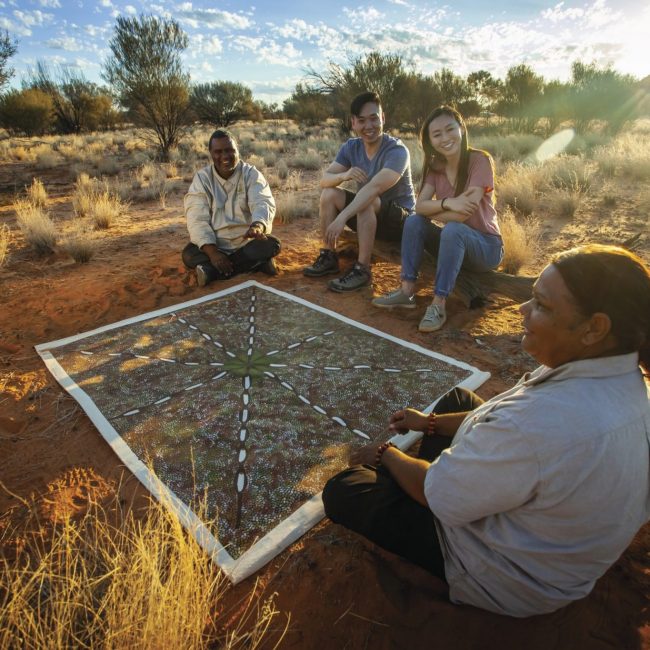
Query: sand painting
(250, 398)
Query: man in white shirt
(229, 209)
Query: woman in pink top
(458, 191)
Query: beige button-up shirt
(220, 211)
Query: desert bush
(28, 111)
(307, 159)
(637, 168)
(294, 180)
(569, 173)
(282, 169)
(78, 244)
(512, 147)
(270, 159)
(288, 208)
(84, 195)
(113, 581)
(517, 188)
(37, 227)
(5, 240)
(105, 209)
(565, 201)
(521, 240)
(109, 166)
(256, 161)
(36, 193)
(23, 154)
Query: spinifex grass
(109, 580)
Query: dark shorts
(390, 219)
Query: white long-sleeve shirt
(220, 211)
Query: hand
(355, 174)
(364, 455)
(408, 420)
(256, 231)
(221, 262)
(334, 231)
(462, 204)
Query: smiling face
(369, 124)
(554, 329)
(225, 156)
(446, 135)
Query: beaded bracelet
(431, 424)
(380, 452)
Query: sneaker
(395, 298)
(359, 276)
(202, 275)
(327, 262)
(434, 319)
(268, 267)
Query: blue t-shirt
(392, 154)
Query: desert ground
(330, 589)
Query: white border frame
(291, 528)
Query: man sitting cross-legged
(380, 166)
(229, 209)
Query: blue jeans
(455, 245)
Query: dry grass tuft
(101, 583)
(36, 193)
(5, 240)
(37, 227)
(521, 239)
(106, 208)
(282, 169)
(309, 159)
(294, 181)
(288, 208)
(78, 244)
(566, 201)
(517, 188)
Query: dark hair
(360, 100)
(435, 161)
(613, 281)
(221, 133)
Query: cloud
(34, 18)
(52, 4)
(130, 10)
(268, 51)
(68, 43)
(197, 18)
(201, 45)
(14, 28)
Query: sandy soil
(340, 591)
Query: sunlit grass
(38, 229)
(5, 240)
(521, 239)
(109, 580)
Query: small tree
(146, 73)
(78, 104)
(221, 103)
(307, 105)
(28, 111)
(384, 74)
(522, 92)
(8, 48)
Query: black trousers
(244, 259)
(369, 501)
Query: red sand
(340, 591)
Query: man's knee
(336, 496)
(332, 197)
(262, 249)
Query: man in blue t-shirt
(380, 166)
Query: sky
(269, 45)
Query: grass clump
(5, 240)
(37, 227)
(521, 240)
(114, 582)
(106, 208)
(36, 193)
(307, 159)
(288, 208)
(78, 244)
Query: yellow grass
(288, 208)
(78, 244)
(36, 226)
(111, 582)
(105, 209)
(521, 238)
(37, 194)
(5, 240)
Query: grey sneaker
(434, 319)
(395, 298)
(326, 263)
(359, 276)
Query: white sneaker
(434, 318)
(393, 299)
